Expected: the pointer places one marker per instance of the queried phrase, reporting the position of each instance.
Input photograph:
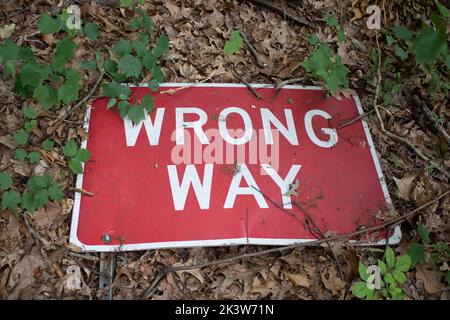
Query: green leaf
(153, 85)
(402, 33)
(447, 278)
(75, 165)
(49, 25)
(135, 24)
(48, 145)
(147, 22)
(122, 48)
(45, 95)
(428, 45)
(360, 290)
(417, 253)
(34, 157)
(390, 257)
(389, 40)
(130, 66)
(10, 200)
(28, 202)
(388, 277)
(126, 3)
(403, 263)
(55, 192)
(234, 44)
(68, 92)
(9, 51)
(399, 276)
(33, 74)
(65, 48)
(363, 271)
(30, 125)
(88, 65)
(114, 89)
(147, 103)
(83, 155)
(402, 54)
(341, 35)
(40, 198)
(331, 21)
(136, 113)
(70, 149)
(21, 137)
(91, 31)
(157, 74)
(443, 10)
(20, 154)
(382, 266)
(162, 46)
(111, 103)
(40, 181)
(5, 181)
(313, 39)
(30, 113)
(124, 107)
(424, 233)
(140, 48)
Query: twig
(47, 245)
(274, 7)
(283, 83)
(82, 255)
(352, 121)
(392, 222)
(249, 86)
(82, 191)
(173, 91)
(393, 136)
(253, 51)
(432, 122)
(86, 98)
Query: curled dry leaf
(431, 278)
(404, 185)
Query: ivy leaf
(162, 46)
(48, 145)
(124, 107)
(443, 10)
(153, 85)
(21, 137)
(5, 181)
(65, 48)
(9, 51)
(20, 154)
(360, 290)
(135, 24)
(75, 165)
(115, 89)
(424, 233)
(91, 31)
(331, 21)
(146, 21)
(136, 113)
(28, 202)
(402, 33)
(30, 113)
(10, 200)
(33, 74)
(111, 103)
(34, 157)
(49, 25)
(88, 65)
(390, 257)
(45, 95)
(313, 39)
(40, 181)
(70, 149)
(68, 92)
(157, 74)
(147, 103)
(130, 65)
(29, 126)
(403, 263)
(55, 192)
(399, 52)
(234, 44)
(83, 155)
(126, 3)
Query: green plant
(424, 250)
(391, 273)
(75, 156)
(40, 189)
(130, 61)
(233, 45)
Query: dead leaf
(73, 279)
(7, 31)
(331, 281)
(23, 275)
(404, 185)
(298, 279)
(431, 278)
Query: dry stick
(393, 136)
(352, 121)
(173, 91)
(82, 191)
(390, 222)
(283, 83)
(248, 85)
(253, 51)
(429, 117)
(86, 98)
(271, 6)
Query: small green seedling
(75, 156)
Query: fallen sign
(212, 165)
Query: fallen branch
(391, 135)
(173, 91)
(249, 86)
(82, 191)
(352, 121)
(293, 17)
(428, 115)
(253, 51)
(392, 222)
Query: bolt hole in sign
(212, 165)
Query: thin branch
(352, 121)
(253, 51)
(249, 86)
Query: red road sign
(212, 165)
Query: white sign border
(73, 239)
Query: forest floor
(36, 261)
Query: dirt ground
(36, 261)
